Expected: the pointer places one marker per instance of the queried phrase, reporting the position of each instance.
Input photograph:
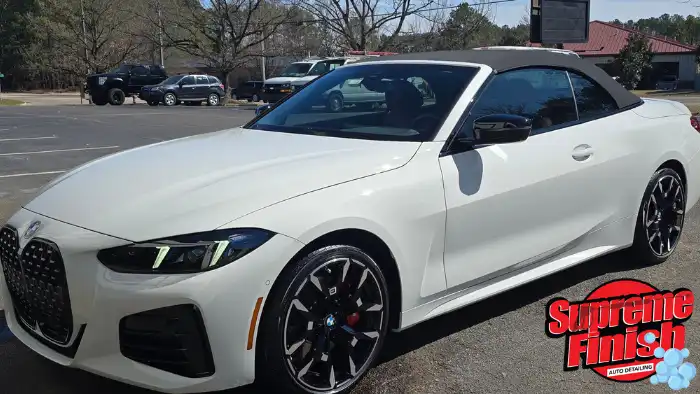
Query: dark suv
(127, 80)
(189, 89)
(248, 91)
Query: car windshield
(171, 80)
(296, 70)
(379, 101)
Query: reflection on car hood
(281, 80)
(202, 182)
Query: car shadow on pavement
(54, 378)
(400, 343)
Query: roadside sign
(559, 21)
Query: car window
(213, 80)
(543, 95)
(139, 71)
(202, 80)
(374, 101)
(319, 68)
(591, 99)
(296, 70)
(189, 80)
(326, 66)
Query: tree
(15, 32)
(468, 26)
(365, 24)
(89, 35)
(634, 59)
(224, 34)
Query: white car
(283, 251)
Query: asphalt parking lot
(496, 346)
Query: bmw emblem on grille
(32, 229)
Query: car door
(187, 88)
(610, 139)
(140, 77)
(203, 87)
(512, 205)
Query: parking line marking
(58, 151)
(27, 138)
(31, 174)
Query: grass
(642, 92)
(10, 102)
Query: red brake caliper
(353, 319)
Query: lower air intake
(171, 339)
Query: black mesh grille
(172, 339)
(37, 284)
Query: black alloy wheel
(326, 324)
(661, 217)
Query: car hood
(203, 182)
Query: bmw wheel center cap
(330, 321)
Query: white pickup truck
(299, 74)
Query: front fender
(403, 207)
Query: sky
(605, 10)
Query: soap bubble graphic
(672, 369)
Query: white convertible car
(285, 250)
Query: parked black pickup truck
(126, 81)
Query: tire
(297, 300)
(153, 103)
(213, 100)
(169, 99)
(660, 219)
(255, 98)
(116, 96)
(234, 97)
(335, 102)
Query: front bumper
(274, 96)
(150, 95)
(101, 299)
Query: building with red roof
(606, 40)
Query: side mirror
(501, 129)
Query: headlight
(186, 253)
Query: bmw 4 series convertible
(284, 251)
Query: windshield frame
(475, 69)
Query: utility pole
(87, 62)
(262, 51)
(160, 33)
